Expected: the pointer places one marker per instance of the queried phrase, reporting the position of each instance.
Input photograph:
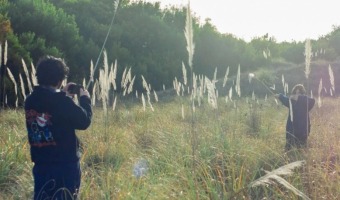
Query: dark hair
(51, 70)
(300, 88)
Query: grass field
(210, 154)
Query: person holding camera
(298, 121)
(51, 120)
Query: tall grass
(161, 138)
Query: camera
(74, 89)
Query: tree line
(144, 37)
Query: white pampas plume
(91, 71)
(123, 78)
(5, 53)
(33, 77)
(22, 86)
(274, 177)
(250, 77)
(215, 76)
(27, 75)
(131, 85)
(189, 36)
(212, 98)
(331, 77)
(283, 81)
(308, 55)
(143, 102)
(84, 83)
(319, 93)
(238, 81)
(145, 85)
(231, 94)
(185, 80)
(114, 104)
(226, 77)
(13, 80)
(156, 96)
(320, 87)
(115, 5)
(182, 111)
(136, 94)
(149, 102)
(94, 94)
(140, 169)
(291, 110)
(163, 87)
(265, 55)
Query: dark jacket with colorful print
(299, 127)
(51, 120)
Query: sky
(285, 20)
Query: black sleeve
(311, 103)
(284, 100)
(79, 116)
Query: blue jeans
(56, 180)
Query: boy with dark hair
(51, 119)
(298, 122)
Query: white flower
(140, 169)
(251, 76)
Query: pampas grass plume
(331, 77)
(274, 176)
(22, 86)
(13, 80)
(226, 77)
(27, 75)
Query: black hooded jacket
(300, 125)
(51, 120)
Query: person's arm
(311, 103)
(79, 116)
(283, 98)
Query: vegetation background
(144, 37)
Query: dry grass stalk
(291, 110)
(274, 176)
(183, 112)
(308, 55)
(331, 77)
(185, 80)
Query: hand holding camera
(72, 89)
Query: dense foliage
(144, 37)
